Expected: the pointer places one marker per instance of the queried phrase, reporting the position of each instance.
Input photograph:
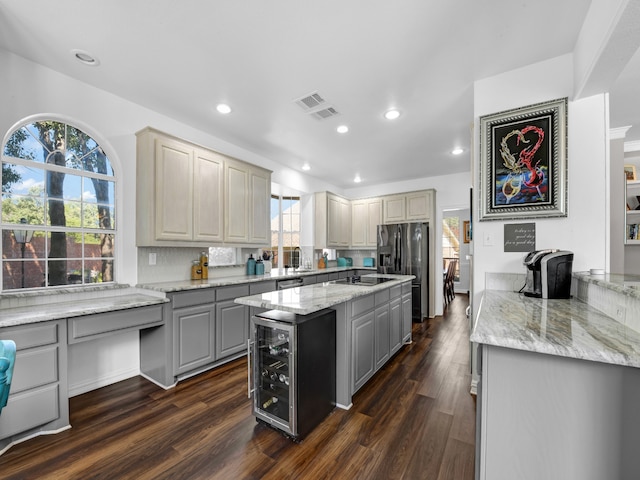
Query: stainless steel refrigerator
(403, 249)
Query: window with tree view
(58, 208)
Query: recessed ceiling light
(85, 58)
(342, 129)
(306, 166)
(223, 108)
(357, 179)
(457, 151)
(391, 114)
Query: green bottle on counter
(251, 265)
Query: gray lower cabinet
(363, 338)
(232, 328)
(232, 321)
(38, 399)
(407, 312)
(382, 328)
(395, 325)
(380, 324)
(194, 337)
(257, 288)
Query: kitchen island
(559, 390)
(372, 323)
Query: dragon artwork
(524, 173)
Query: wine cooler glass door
(273, 373)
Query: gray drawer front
(32, 335)
(82, 328)
(34, 368)
(406, 287)
(196, 297)
(29, 410)
(229, 293)
(323, 277)
(382, 297)
(262, 287)
(361, 305)
(395, 291)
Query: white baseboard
(34, 435)
(113, 377)
(474, 387)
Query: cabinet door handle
(250, 348)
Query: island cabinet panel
(407, 311)
(395, 325)
(363, 350)
(382, 328)
(38, 399)
(194, 337)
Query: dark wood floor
(413, 420)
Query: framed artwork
(523, 162)
(467, 231)
(630, 173)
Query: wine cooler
(292, 369)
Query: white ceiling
(182, 58)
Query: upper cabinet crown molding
(188, 195)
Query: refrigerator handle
(250, 348)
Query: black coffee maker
(548, 273)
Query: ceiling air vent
(316, 106)
(311, 101)
(325, 113)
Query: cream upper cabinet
(419, 205)
(174, 181)
(332, 221)
(260, 207)
(393, 208)
(236, 181)
(208, 186)
(408, 207)
(366, 215)
(248, 197)
(188, 195)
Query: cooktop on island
(366, 281)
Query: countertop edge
(184, 285)
(265, 300)
(593, 336)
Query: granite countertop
(566, 328)
(626, 284)
(311, 298)
(275, 274)
(26, 308)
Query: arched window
(58, 208)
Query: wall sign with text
(520, 237)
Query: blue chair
(7, 360)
